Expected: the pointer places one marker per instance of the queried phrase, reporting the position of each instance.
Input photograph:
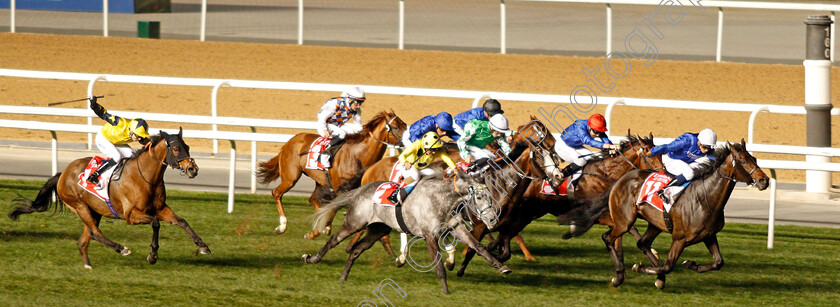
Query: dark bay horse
(138, 196)
(697, 215)
(597, 177)
(359, 151)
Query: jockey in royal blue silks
(491, 107)
(582, 132)
(440, 124)
(686, 156)
(333, 118)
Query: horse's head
(388, 128)
(544, 160)
(744, 167)
(178, 153)
(636, 144)
(478, 199)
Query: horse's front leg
(475, 245)
(712, 244)
(644, 244)
(140, 217)
(167, 215)
(677, 247)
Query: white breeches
(116, 152)
(406, 138)
(341, 131)
(458, 129)
(572, 155)
(479, 153)
(412, 175)
(679, 167)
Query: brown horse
(359, 151)
(138, 196)
(697, 215)
(597, 177)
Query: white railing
(720, 5)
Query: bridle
(169, 156)
(390, 131)
(734, 158)
(537, 146)
(643, 157)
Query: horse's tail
(42, 202)
(324, 194)
(269, 170)
(323, 216)
(582, 218)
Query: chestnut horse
(138, 196)
(359, 151)
(697, 215)
(597, 177)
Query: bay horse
(598, 176)
(697, 214)
(359, 151)
(138, 196)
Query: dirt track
(698, 81)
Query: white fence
(720, 5)
(476, 97)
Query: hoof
(450, 265)
(400, 261)
(504, 270)
(655, 254)
(311, 235)
(659, 284)
(87, 266)
(204, 250)
(280, 229)
(531, 259)
(688, 264)
(637, 267)
(305, 258)
(125, 251)
(152, 258)
(327, 230)
(615, 282)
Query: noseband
(390, 130)
(169, 156)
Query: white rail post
(54, 153)
(503, 47)
(608, 113)
(300, 22)
(253, 163)
(719, 35)
(12, 8)
(609, 28)
(232, 180)
(751, 127)
(214, 111)
(833, 21)
(89, 118)
(771, 219)
(818, 97)
(401, 35)
(478, 99)
(105, 18)
(203, 30)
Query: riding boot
(676, 181)
(569, 170)
(94, 176)
(398, 196)
(329, 152)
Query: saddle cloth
(565, 186)
(654, 183)
(380, 196)
(313, 160)
(100, 190)
(396, 172)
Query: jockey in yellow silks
(114, 137)
(415, 158)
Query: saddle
(101, 190)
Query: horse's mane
(153, 140)
(719, 154)
(632, 140)
(366, 129)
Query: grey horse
(436, 208)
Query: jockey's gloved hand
(92, 99)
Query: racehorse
(697, 215)
(359, 151)
(434, 211)
(138, 196)
(598, 176)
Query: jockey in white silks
(333, 120)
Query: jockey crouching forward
(440, 124)
(582, 132)
(333, 118)
(491, 107)
(114, 137)
(479, 133)
(415, 158)
(687, 156)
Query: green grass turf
(250, 265)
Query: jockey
(686, 156)
(114, 137)
(440, 124)
(582, 132)
(333, 117)
(478, 133)
(491, 107)
(415, 158)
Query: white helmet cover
(707, 137)
(499, 123)
(356, 93)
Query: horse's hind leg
(349, 228)
(386, 244)
(288, 178)
(525, 251)
(84, 240)
(153, 255)
(712, 244)
(375, 231)
(167, 215)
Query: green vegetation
(250, 265)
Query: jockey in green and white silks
(478, 133)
